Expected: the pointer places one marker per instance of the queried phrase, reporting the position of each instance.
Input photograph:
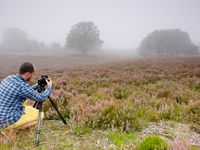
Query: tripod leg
(40, 105)
(35, 104)
(55, 107)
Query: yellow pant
(30, 115)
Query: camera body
(42, 82)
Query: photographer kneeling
(14, 90)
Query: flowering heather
(126, 96)
(179, 144)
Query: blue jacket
(14, 90)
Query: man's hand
(49, 82)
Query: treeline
(15, 39)
(85, 36)
(171, 42)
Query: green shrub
(153, 143)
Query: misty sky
(122, 23)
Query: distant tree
(84, 36)
(17, 39)
(172, 42)
(198, 44)
(14, 38)
(55, 45)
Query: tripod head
(42, 83)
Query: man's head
(26, 70)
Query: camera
(42, 82)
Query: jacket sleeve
(34, 86)
(29, 93)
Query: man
(14, 90)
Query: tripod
(39, 106)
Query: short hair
(26, 67)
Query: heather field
(114, 103)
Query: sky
(122, 23)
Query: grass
(81, 130)
(119, 139)
(5, 146)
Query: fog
(122, 23)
